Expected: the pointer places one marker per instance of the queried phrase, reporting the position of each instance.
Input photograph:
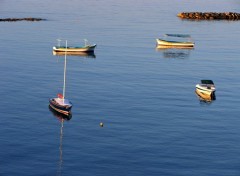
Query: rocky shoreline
(209, 15)
(20, 19)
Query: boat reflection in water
(80, 54)
(174, 52)
(61, 118)
(207, 98)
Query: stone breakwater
(209, 15)
(20, 19)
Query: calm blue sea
(154, 123)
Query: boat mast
(59, 42)
(65, 69)
(85, 41)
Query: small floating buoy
(101, 124)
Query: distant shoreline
(20, 19)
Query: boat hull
(208, 96)
(162, 42)
(59, 115)
(63, 109)
(76, 53)
(88, 48)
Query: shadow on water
(78, 54)
(61, 118)
(174, 52)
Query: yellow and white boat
(184, 40)
(206, 89)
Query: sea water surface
(154, 124)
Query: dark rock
(209, 15)
(20, 19)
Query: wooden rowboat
(169, 41)
(84, 48)
(88, 48)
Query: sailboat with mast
(60, 103)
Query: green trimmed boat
(85, 48)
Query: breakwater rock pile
(20, 19)
(209, 15)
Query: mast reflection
(61, 118)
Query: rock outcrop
(20, 19)
(209, 15)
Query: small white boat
(206, 88)
(85, 48)
(61, 105)
(169, 40)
